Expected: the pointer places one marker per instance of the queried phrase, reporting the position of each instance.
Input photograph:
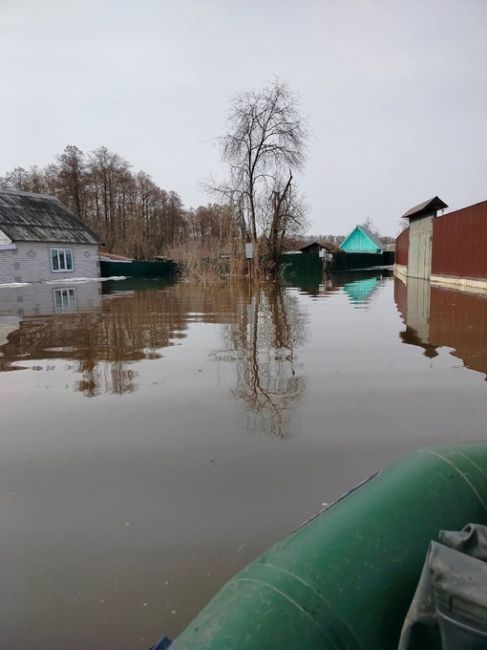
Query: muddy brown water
(157, 438)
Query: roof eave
(425, 208)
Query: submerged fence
(459, 244)
(139, 269)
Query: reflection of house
(41, 240)
(361, 240)
(438, 317)
(360, 291)
(103, 337)
(45, 299)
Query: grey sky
(395, 92)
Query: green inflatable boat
(344, 581)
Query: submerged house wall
(31, 262)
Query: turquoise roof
(361, 240)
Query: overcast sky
(395, 92)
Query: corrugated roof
(431, 205)
(25, 216)
(114, 257)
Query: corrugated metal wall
(460, 243)
(402, 248)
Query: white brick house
(41, 240)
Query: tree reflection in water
(128, 327)
(261, 342)
(261, 329)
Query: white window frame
(58, 251)
(68, 299)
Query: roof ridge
(370, 233)
(7, 190)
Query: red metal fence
(460, 243)
(459, 247)
(402, 247)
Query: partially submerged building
(40, 239)
(362, 240)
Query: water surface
(155, 438)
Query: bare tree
(265, 143)
(130, 212)
(72, 177)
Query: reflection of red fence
(402, 248)
(460, 243)
(401, 298)
(459, 320)
(455, 319)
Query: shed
(424, 209)
(315, 247)
(311, 247)
(40, 239)
(361, 240)
(420, 236)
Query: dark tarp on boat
(449, 609)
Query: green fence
(138, 269)
(308, 264)
(296, 266)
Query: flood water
(155, 438)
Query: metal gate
(420, 243)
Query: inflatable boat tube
(345, 579)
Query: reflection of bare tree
(103, 346)
(261, 341)
(105, 343)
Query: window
(61, 259)
(64, 299)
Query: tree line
(264, 148)
(127, 209)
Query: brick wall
(31, 262)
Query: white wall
(4, 239)
(31, 262)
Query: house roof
(427, 207)
(105, 256)
(371, 236)
(301, 246)
(322, 244)
(25, 216)
(368, 234)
